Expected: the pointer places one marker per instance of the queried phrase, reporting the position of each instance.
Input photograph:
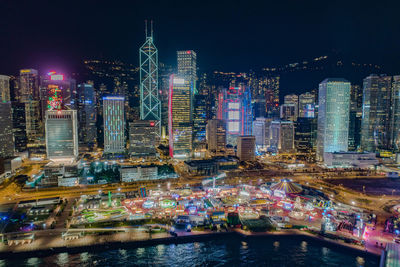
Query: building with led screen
(333, 116)
(234, 106)
(180, 117)
(57, 91)
(61, 134)
(114, 124)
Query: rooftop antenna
(145, 27)
(151, 28)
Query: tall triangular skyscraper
(150, 106)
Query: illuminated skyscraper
(180, 117)
(143, 138)
(199, 118)
(28, 87)
(150, 105)
(396, 113)
(29, 94)
(306, 105)
(19, 126)
(57, 92)
(235, 108)
(187, 67)
(114, 124)
(216, 137)
(246, 146)
(61, 134)
(376, 119)
(6, 130)
(288, 112)
(259, 107)
(293, 100)
(4, 88)
(281, 136)
(270, 86)
(261, 132)
(333, 116)
(87, 115)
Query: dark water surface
(219, 252)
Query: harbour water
(228, 251)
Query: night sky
(227, 35)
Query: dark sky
(227, 35)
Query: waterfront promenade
(50, 241)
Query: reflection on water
(225, 252)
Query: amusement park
(270, 206)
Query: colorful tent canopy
(287, 186)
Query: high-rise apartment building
(150, 104)
(180, 126)
(216, 137)
(333, 116)
(87, 115)
(246, 147)
(114, 124)
(61, 134)
(4, 88)
(377, 113)
(143, 138)
(6, 130)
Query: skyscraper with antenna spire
(150, 105)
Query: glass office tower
(61, 134)
(333, 116)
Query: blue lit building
(199, 118)
(333, 116)
(114, 124)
